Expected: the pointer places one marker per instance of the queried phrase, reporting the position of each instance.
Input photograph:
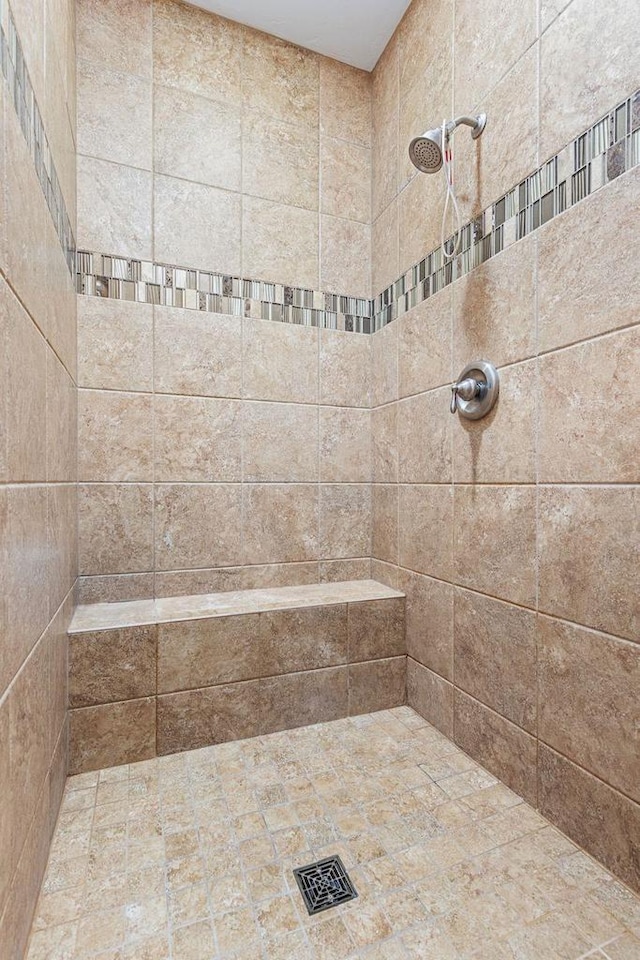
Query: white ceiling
(353, 31)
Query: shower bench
(151, 677)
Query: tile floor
(189, 857)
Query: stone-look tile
(426, 529)
(384, 164)
(280, 362)
(114, 208)
(385, 257)
(279, 161)
(498, 524)
(424, 438)
(197, 525)
(484, 54)
(377, 685)
(198, 653)
(114, 115)
(376, 630)
(197, 354)
(298, 699)
(570, 99)
(590, 434)
(115, 436)
(345, 101)
(500, 746)
(576, 295)
(624, 948)
(6, 841)
(495, 655)
(494, 309)
(345, 256)
(196, 139)
(62, 542)
(196, 225)
(62, 419)
(112, 665)
(419, 27)
(304, 639)
(345, 445)
(601, 820)
(384, 522)
(424, 345)
(280, 522)
(385, 86)
(112, 734)
(128, 586)
(25, 396)
(115, 344)
(346, 180)
(345, 521)
(116, 34)
(279, 442)
(337, 571)
(345, 369)
(426, 94)
(501, 448)
(254, 577)
(430, 696)
(197, 439)
(419, 219)
(280, 79)
(294, 259)
(201, 717)
(429, 621)
(384, 437)
(384, 360)
(589, 564)
(115, 528)
(588, 686)
(197, 51)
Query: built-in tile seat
(150, 677)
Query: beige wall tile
(430, 696)
(197, 51)
(385, 83)
(112, 734)
(345, 257)
(384, 534)
(62, 434)
(116, 33)
(345, 101)
(298, 699)
(280, 442)
(254, 577)
(384, 163)
(280, 362)
(429, 621)
(62, 542)
(385, 365)
(197, 439)
(61, 322)
(280, 79)
(376, 630)
(114, 208)
(304, 639)
(127, 586)
(377, 685)
(112, 665)
(588, 701)
(501, 522)
(495, 656)
(426, 529)
(115, 436)
(6, 844)
(424, 35)
(424, 345)
(115, 344)
(425, 437)
(197, 354)
(583, 532)
(590, 434)
(345, 521)
(345, 445)
(114, 115)
(420, 207)
(384, 434)
(197, 525)
(196, 138)
(115, 528)
(218, 650)
(25, 386)
(337, 571)
(196, 225)
(500, 746)
(427, 100)
(346, 180)
(197, 718)
(280, 161)
(385, 258)
(279, 243)
(280, 522)
(345, 369)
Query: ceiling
(353, 31)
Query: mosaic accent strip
(21, 95)
(599, 155)
(142, 281)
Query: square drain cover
(324, 884)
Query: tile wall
(516, 538)
(37, 440)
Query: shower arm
(477, 125)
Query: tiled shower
(264, 601)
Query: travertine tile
(116, 33)
(62, 542)
(280, 79)
(345, 369)
(208, 652)
(113, 732)
(62, 431)
(424, 345)
(115, 436)
(197, 525)
(114, 208)
(197, 718)
(114, 115)
(197, 439)
(197, 354)
(425, 438)
(429, 621)
(280, 522)
(294, 259)
(426, 92)
(304, 639)
(418, 234)
(279, 161)
(345, 521)
(384, 150)
(384, 360)
(385, 260)
(115, 528)
(376, 630)
(25, 386)
(280, 362)
(384, 519)
(430, 696)
(377, 685)
(426, 529)
(345, 256)
(346, 180)
(384, 443)
(115, 344)
(298, 699)
(112, 665)
(280, 442)
(345, 101)
(345, 445)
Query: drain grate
(324, 884)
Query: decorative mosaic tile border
(142, 281)
(21, 95)
(599, 155)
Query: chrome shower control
(476, 391)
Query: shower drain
(324, 884)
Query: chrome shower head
(425, 151)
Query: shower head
(425, 151)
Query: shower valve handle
(468, 389)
